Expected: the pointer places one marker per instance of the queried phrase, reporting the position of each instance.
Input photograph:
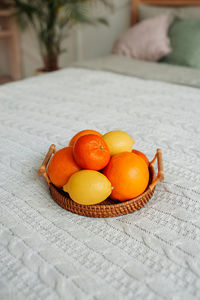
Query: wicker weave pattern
(108, 208)
(100, 211)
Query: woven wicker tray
(109, 207)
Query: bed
(49, 253)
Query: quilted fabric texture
(148, 40)
(49, 253)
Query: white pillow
(148, 40)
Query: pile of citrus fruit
(94, 167)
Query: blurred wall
(84, 42)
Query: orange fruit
(91, 152)
(62, 166)
(82, 133)
(141, 154)
(128, 174)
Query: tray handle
(43, 168)
(160, 175)
(52, 150)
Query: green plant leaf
(103, 21)
(50, 17)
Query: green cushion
(185, 42)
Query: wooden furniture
(9, 33)
(107, 208)
(176, 3)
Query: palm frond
(50, 17)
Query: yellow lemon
(118, 141)
(88, 187)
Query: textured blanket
(49, 253)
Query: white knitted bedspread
(49, 253)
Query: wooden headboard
(136, 3)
